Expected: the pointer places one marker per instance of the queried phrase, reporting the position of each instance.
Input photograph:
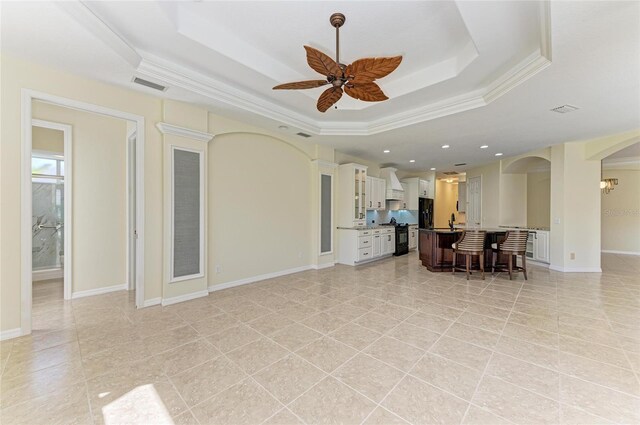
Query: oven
(402, 239)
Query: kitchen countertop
(447, 230)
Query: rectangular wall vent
(460, 164)
(149, 84)
(564, 109)
(303, 134)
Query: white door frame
(68, 203)
(28, 96)
(131, 195)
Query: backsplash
(401, 216)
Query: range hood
(395, 192)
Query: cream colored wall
(99, 195)
(47, 139)
(445, 203)
(539, 199)
(259, 207)
(621, 212)
(18, 74)
(513, 199)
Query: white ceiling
(473, 73)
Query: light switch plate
(556, 221)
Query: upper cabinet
(411, 187)
(352, 195)
(375, 189)
(425, 189)
(462, 197)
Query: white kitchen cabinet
(425, 189)
(462, 197)
(413, 237)
(352, 195)
(541, 246)
(375, 189)
(411, 189)
(361, 246)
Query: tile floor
(388, 343)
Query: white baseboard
(186, 297)
(322, 266)
(11, 333)
(99, 291)
(152, 302)
(38, 275)
(575, 269)
(611, 251)
(258, 278)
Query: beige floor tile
(600, 401)
(382, 416)
(460, 352)
(428, 321)
(346, 312)
(355, 336)
(532, 335)
(421, 403)
(289, 377)
(41, 340)
(395, 353)
(532, 353)
(377, 322)
(28, 362)
(394, 311)
(331, 402)
(296, 311)
(478, 416)
(447, 375)
(442, 311)
(323, 322)
(257, 355)
(186, 356)
(496, 313)
(369, 376)
(185, 418)
(570, 415)
(250, 314)
(483, 322)
(414, 335)
(326, 353)
(295, 336)
(270, 324)
(526, 375)
(284, 417)
(170, 339)
(195, 313)
(600, 373)
(244, 403)
(215, 324)
(232, 338)
(543, 323)
(201, 382)
(597, 352)
(514, 403)
(472, 335)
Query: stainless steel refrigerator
(425, 213)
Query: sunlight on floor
(140, 405)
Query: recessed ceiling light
(386, 151)
(433, 168)
(499, 154)
(412, 160)
(445, 146)
(484, 146)
(449, 180)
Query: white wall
(621, 212)
(99, 195)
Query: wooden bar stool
(470, 243)
(514, 244)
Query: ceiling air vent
(303, 134)
(460, 164)
(451, 173)
(148, 84)
(564, 109)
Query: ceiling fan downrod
(337, 20)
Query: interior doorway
(60, 222)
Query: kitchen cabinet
(413, 237)
(462, 197)
(359, 246)
(425, 189)
(375, 188)
(352, 195)
(541, 246)
(411, 188)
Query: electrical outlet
(572, 255)
(218, 269)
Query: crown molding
(323, 163)
(188, 133)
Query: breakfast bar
(436, 252)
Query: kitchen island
(436, 252)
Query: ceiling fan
(357, 79)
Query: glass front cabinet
(352, 195)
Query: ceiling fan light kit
(356, 79)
